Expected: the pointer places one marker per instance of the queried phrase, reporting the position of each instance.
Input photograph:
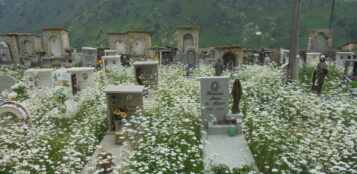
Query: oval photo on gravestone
(214, 86)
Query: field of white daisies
(289, 129)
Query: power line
(331, 14)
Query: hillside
(222, 22)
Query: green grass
(305, 78)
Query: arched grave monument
(56, 41)
(187, 41)
(188, 37)
(12, 112)
(190, 57)
(17, 45)
(320, 40)
(5, 53)
(229, 60)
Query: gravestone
(230, 150)
(123, 101)
(6, 82)
(111, 52)
(111, 60)
(312, 58)
(214, 106)
(12, 112)
(89, 56)
(146, 73)
(27, 61)
(81, 78)
(39, 78)
(214, 97)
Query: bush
(221, 169)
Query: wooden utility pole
(331, 14)
(294, 37)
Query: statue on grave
(354, 71)
(237, 93)
(266, 60)
(218, 67)
(319, 75)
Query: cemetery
(134, 108)
(272, 131)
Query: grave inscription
(214, 97)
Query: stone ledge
(224, 129)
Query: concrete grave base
(224, 129)
(108, 145)
(232, 151)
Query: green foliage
(224, 169)
(353, 84)
(21, 92)
(16, 72)
(221, 169)
(333, 80)
(285, 126)
(222, 23)
(244, 170)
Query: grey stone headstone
(89, 56)
(214, 97)
(6, 82)
(124, 97)
(149, 70)
(27, 61)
